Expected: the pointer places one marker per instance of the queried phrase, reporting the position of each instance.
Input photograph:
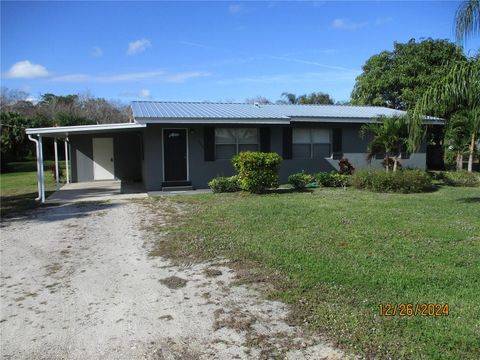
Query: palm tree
(290, 98)
(389, 137)
(459, 90)
(457, 136)
(467, 20)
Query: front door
(175, 154)
(103, 165)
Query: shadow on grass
(287, 191)
(470, 200)
(20, 207)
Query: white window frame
(237, 143)
(311, 143)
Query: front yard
(336, 254)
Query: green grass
(18, 186)
(343, 252)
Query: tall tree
(458, 90)
(467, 20)
(397, 78)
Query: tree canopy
(319, 98)
(396, 79)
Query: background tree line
(18, 113)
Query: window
(311, 143)
(229, 141)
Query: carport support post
(57, 180)
(40, 168)
(66, 160)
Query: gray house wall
(138, 155)
(127, 152)
(201, 171)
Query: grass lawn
(18, 186)
(344, 252)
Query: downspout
(41, 194)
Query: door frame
(186, 149)
(113, 156)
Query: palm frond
(467, 20)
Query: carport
(94, 151)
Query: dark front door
(175, 154)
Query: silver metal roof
(201, 112)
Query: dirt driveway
(77, 283)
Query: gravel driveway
(77, 283)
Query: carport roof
(63, 131)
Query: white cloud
(138, 46)
(141, 94)
(330, 78)
(26, 70)
(160, 76)
(144, 93)
(315, 63)
(181, 77)
(383, 20)
(97, 52)
(235, 8)
(344, 24)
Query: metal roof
(60, 131)
(211, 112)
(203, 110)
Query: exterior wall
(201, 172)
(126, 151)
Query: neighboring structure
(172, 144)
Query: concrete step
(177, 188)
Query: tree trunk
(386, 162)
(472, 150)
(394, 164)
(459, 161)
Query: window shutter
(265, 139)
(209, 143)
(337, 141)
(287, 143)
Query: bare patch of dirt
(174, 282)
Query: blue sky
(217, 51)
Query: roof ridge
(245, 103)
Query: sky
(206, 51)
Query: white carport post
(57, 180)
(66, 160)
(39, 150)
(40, 161)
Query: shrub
(460, 178)
(300, 180)
(404, 181)
(332, 179)
(257, 171)
(224, 184)
(345, 167)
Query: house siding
(201, 171)
(127, 156)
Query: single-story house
(170, 144)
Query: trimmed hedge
(332, 179)
(257, 171)
(224, 184)
(460, 178)
(401, 181)
(300, 180)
